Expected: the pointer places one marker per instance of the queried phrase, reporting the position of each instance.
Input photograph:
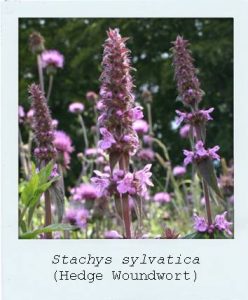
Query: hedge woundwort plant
(117, 114)
(44, 136)
(191, 95)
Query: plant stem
(207, 202)
(23, 157)
(149, 113)
(50, 87)
(40, 71)
(125, 204)
(81, 121)
(48, 214)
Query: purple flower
(200, 224)
(141, 126)
(195, 117)
(143, 179)
(70, 216)
(146, 154)
(63, 144)
(200, 153)
(55, 123)
(93, 151)
(21, 113)
(52, 58)
(126, 185)
(179, 171)
(82, 217)
(185, 131)
(222, 224)
(101, 182)
(112, 234)
(76, 107)
(42, 124)
(84, 191)
(108, 139)
(185, 73)
(91, 96)
(148, 139)
(162, 197)
(116, 102)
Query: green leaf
(206, 170)
(29, 190)
(45, 173)
(197, 235)
(50, 228)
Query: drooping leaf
(206, 170)
(50, 228)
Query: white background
(27, 268)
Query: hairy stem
(81, 121)
(50, 87)
(40, 71)
(48, 213)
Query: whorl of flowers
(117, 109)
(185, 73)
(42, 124)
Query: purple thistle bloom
(82, 217)
(63, 144)
(185, 73)
(52, 58)
(146, 154)
(179, 171)
(116, 102)
(112, 234)
(222, 224)
(141, 126)
(200, 224)
(91, 96)
(84, 191)
(42, 123)
(76, 107)
(162, 197)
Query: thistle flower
(179, 171)
(36, 42)
(84, 191)
(162, 197)
(116, 98)
(91, 96)
(52, 58)
(146, 154)
(42, 124)
(185, 73)
(63, 144)
(76, 107)
(141, 126)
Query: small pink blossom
(52, 58)
(76, 107)
(200, 224)
(162, 197)
(107, 140)
(141, 126)
(179, 171)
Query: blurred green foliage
(80, 41)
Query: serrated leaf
(29, 190)
(50, 228)
(206, 169)
(45, 173)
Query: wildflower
(42, 124)
(101, 182)
(36, 42)
(162, 197)
(200, 224)
(21, 113)
(195, 117)
(148, 139)
(107, 140)
(179, 171)
(70, 215)
(52, 58)
(112, 234)
(185, 73)
(91, 96)
(141, 126)
(63, 144)
(93, 151)
(200, 153)
(146, 154)
(222, 224)
(76, 107)
(84, 191)
(185, 131)
(82, 217)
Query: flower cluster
(116, 103)
(77, 216)
(200, 153)
(130, 183)
(220, 224)
(185, 73)
(42, 124)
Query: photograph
(125, 128)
